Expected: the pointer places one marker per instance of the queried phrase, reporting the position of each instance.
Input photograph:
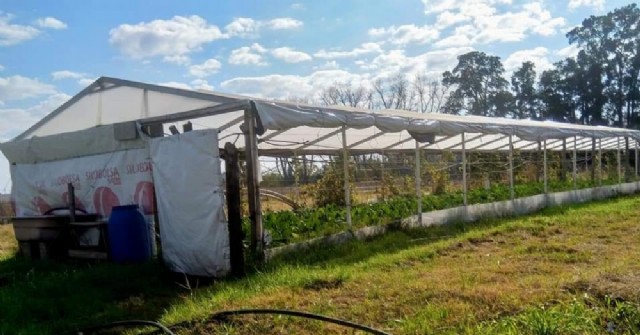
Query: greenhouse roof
(287, 128)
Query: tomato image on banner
(67, 201)
(144, 197)
(41, 206)
(104, 199)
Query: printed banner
(101, 182)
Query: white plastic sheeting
(101, 182)
(193, 229)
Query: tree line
(599, 86)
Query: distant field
(571, 270)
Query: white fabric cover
(193, 229)
(100, 181)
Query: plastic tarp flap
(189, 192)
(81, 143)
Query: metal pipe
(599, 162)
(546, 184)
(575, 163)
(511, 189)
(464, 171)
(418, 183)
(619, 160)
(345, 166)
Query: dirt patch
(622, 287)
(323, 284)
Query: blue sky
(50, 50)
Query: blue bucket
(129, 238)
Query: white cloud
(82, 78)
(176, 84)
(248, 55)
(362, 50)
(177, 36)
(406, 34)
(177, 59)
(597, 4)
(448, 18)
(11, 34)
(569, 51)
(201, 84)
(196, 84)
(209, 67)
(290, 55)
(539, 56)
(284, 23)
(50, 23)
(243, 27)
(65, 74)
(437, 6)
(22, 118)
(328, 65)
(86, 81)
(432, 63)
(18, 87)
(246, 27)
(297, 6)
(277, 86)
(483, 24)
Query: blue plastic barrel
(129, 239)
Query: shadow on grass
(40, 297)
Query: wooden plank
(234, 216)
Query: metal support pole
(575, 163)
(636, 151)
(345, 166)
(464, 171)
(418, 183)
(253, 187)
(599, 162)
(382, 179)
(511, 189)
(619, 161)
(544, 162)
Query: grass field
(571, 270)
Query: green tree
(612, 51)
(480, 88)
(523, 83)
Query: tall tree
(556, 93)
(611, 50)
(479, 86)
(523, 83)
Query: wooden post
(511, 183)
(418, 183)
(627, 160)
(464, 171)
(345, 167)
(255, 210)
(234, 216)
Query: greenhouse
(361, 158)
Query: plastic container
(129, 239)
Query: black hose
(224, 314)
(116, 324)
(219, 316)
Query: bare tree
(430, 93)
(346, 95)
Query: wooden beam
(234, 216)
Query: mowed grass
(570, 270)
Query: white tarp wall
(100, 181)
(189, 185)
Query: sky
(50, 50)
